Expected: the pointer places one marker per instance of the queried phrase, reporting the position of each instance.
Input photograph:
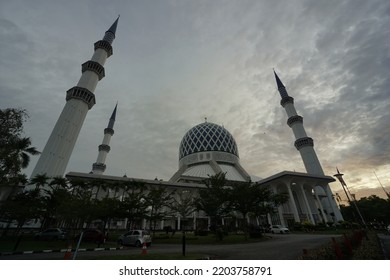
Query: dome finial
(205, 119)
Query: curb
(58, 251)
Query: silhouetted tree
(214, 199)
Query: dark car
(92, 235)
(51, 234)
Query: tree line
(76, 203)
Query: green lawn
(27, 243)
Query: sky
(177, 62)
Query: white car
(279, 229)
(136, 237)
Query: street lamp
(339, 176)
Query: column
(320, 205)
(194, 220)
(292, 204)
(307, 205)
(162, 224)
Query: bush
(298, 226)
(308, 226)
(201, 232)
(357, 245)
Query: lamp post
(339, 176)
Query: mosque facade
(206, 149)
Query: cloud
(177, 62)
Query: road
(278, 247)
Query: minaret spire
(281, 88)
(79, 100)
(278, 81)
(109, 36)
(112, 118)
(305, 144)
(99, 166)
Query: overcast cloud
(177, 62)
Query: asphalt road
(278, 247)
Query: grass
(27, 243)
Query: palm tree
(39, 180)
(15, 156)
(98, 184)
(24, 150)
(58, 182)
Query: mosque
(206, 149)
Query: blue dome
(207, 137)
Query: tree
(106, 210)
(39, 180)
(269, 201)
(248, 197)
(81, 209)
(133, 206)
(15, 149)
(53, 197)
(157, 200)
(213, 200)
(55, 201)
(374, 209)
(58, 182)
(23, 207)
(183, 204)
(244, 198)
(21, 150)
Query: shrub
(201, 232)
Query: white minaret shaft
(56, 154)
(99, 166)
(305, 144)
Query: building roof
(298, 176)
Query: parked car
(51, 234)
(136, 238)
(279, 229)
(388, 229)
(92, 235)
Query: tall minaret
(304, 144)
(99, 166)
(79, 100)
